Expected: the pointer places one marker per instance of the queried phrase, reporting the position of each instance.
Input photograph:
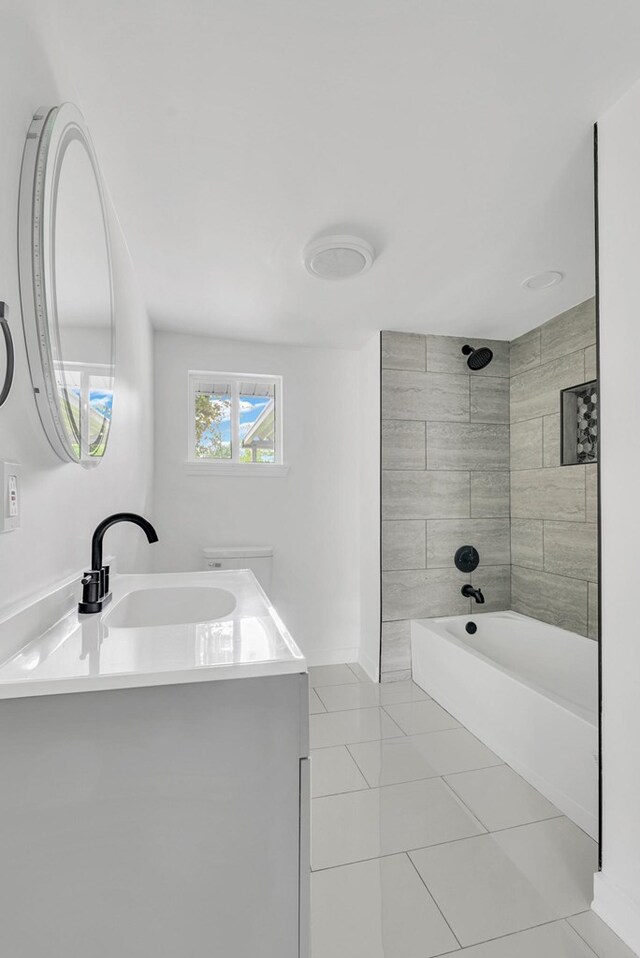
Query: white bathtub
(526, 689)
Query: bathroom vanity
(154, 767)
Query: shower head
(478, 358)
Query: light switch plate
(11, 497)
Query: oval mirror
(66, 285)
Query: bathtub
(527, 690)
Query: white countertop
(84, 653)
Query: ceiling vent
(338, 257)
(543, 280)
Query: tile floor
(424, 843)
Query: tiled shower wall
(554, 541)
(445, 483)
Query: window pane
(213, 422)
(100, 404)
(69, 385)
(257, 422)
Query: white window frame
(233, 466)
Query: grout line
(511, 934)
(576, 932)
(361, 770)
(574, 522)
(560, 575)
(409, 736)
(454, 571)
(363, 708)
(464, 805)
(459, 422)
(433, 899)
(450, 841)
(349, 791)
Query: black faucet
(470, 593)
(95, 583)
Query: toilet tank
(257, 558)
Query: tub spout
(470, 593)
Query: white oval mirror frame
(66, 284)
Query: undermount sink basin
(170, 606)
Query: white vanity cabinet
(159, 822)
(154, 794)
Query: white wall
(310, 517)
(617, 888)
(370, 424)
(61, 503)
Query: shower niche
(579, 424)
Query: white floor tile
(359, 672)
(421, 756)
(375, 909)
(556, 940)
(417, 717)
(357, 725)
(337, 698)
(500, 798)
(599, 936)
(315, 705)
(333, 771)
(331, 675)
(382, 821)
(508, 881)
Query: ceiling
(455, 135)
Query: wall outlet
(11, 497)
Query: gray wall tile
(549, 534)
(403, 350)
(424, 396)
(489, 536)
(425, 495)
(592, 625)
(495, 583)
(537, 392)
(591, 472)
(525, 352)
(423, 594)
(571, 548)
(473, 470)
(444, 355)
(489, 399)
(551, 598)
(396, 645)
(526, 543)
(526, 444)
(572, 330)
(551, 440)
(401, 676)
(489, 494)
(404, 544)
(403, 445)
(549, 493)
(448, 397)
(590, 364)
(481, 446)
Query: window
(235, 423)
(86, 399)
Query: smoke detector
(338, 257)
(543, 280)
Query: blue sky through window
(251, 407)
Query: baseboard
(617, 910)
(332, 656)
